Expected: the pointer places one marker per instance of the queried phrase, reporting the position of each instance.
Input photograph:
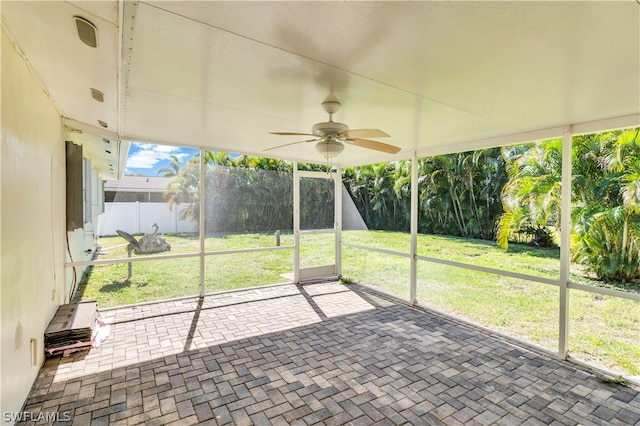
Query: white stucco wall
(32, 197)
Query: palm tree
(458, 193)
(185, 189)
(605, 198)
(218, 158)
(607, 232)
(173, 169)
(531, 197)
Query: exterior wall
(80, 240)
(83, 241)
(32, 225)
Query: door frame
(301, 273)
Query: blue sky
(146, 158)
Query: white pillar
(202, 191)
(338, 220)
(565, 243)
(296, 224)
(413, 280)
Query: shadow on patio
(317, 354)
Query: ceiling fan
(331, 136)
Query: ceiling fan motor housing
(328, 128)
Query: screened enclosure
(426, 233)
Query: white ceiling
(437, 76)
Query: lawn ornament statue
(148, 243)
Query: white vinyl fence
(137, 218)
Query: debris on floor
(101, 331)
(71, 328)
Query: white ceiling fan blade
(364, 133)
(288, 144)
(375, 145)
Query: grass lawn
(603, 329)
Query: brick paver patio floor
(316, 354)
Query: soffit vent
(87, 32)
(97, 95)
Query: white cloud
(148, 155)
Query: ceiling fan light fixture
(329, 148)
